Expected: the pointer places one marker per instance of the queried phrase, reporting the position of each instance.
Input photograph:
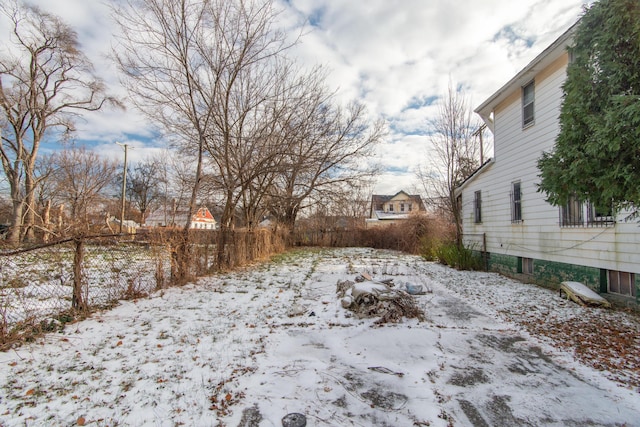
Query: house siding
(559, 253)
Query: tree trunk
(226, 224)
(15, 231)
(30, 214)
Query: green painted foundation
(550, 274)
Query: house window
(516, 203)
(477, 207)
(599, 217)
(391, 208)
(524, 266)
(622, 283)
(574, 213)
(528, 98)
(571, 213)
(401, 207)
(410, 206)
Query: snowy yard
(249, 347)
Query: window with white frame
(477, 207)
(516, 202)
(528, 104)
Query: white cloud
(388, 54)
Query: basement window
(622, 283)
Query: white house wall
(539, 235)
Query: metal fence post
(77, 301)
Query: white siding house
(506, 217)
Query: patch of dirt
(386, 400)
(500, 412)
(251, 417)
(472, 413)
(468, 377)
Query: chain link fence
(42, 288)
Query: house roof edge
(471, 177)
(547, 55)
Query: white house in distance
(504, 214)
(391, 209)
(202, 220)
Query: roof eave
(473, 176)
(550, 54)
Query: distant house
(128, 226)
(391, 209)
(503, 213)
(201, 220)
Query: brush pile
(377, 298)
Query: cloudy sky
(396, 56)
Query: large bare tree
(329, 150)
(80, 179)
(160, 54)
(45, 82)
(453, 153)
(203, 70)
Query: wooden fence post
(485, 256)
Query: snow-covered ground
(249, 347)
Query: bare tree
(160, 54)
(45, 81)
(453, 154)
(329, 149)
(355, 200)
(253, 85)
(80, 178)
(202, 70)
(145, 185)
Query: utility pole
(124, 184)
(478, 133)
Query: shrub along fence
(419, 234)
(43, 287)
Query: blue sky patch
(510, 34)
(418, 102)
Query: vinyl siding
(539, 235)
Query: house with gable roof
(201, 220)
(391, 209)
(505, 216)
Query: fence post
(77, 301)
(485, 256)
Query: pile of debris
(380, 298)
